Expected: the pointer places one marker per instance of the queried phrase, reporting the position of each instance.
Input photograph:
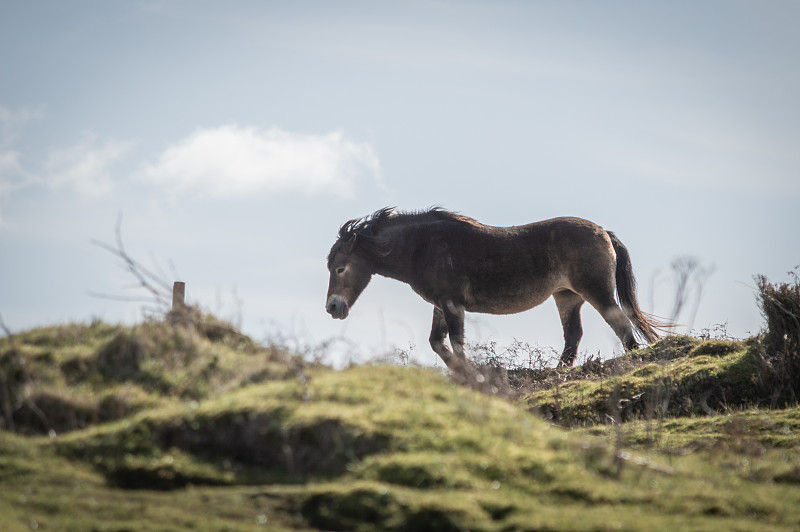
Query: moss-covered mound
(677, 376)
(58, 379)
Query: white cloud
(233, 161)
(9, 166)
(12, 174)
(12, 121)
(86, 166)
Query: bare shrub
(511, 370)
(780, 306)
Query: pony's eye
(340, 270)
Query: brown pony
(458, 265)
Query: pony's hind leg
(569, 309)
(618, 321)
(621, 325)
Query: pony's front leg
(449, 320)
(438, 334)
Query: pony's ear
(350, 244)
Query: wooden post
(178, 295)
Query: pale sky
(235, 137)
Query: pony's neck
(397, 264)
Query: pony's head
(351, 262)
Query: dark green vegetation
(192, 426)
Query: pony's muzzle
(337, 307)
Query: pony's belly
(508, 304)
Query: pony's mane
(365, 230)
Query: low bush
(780, 306)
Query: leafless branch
(690, 277)
(5, 329)
(4, 386)
(113, 297)
(159, 289)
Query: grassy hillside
(193, 426)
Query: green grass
(214, 432)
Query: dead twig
(160, 290)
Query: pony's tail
(644, 324)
